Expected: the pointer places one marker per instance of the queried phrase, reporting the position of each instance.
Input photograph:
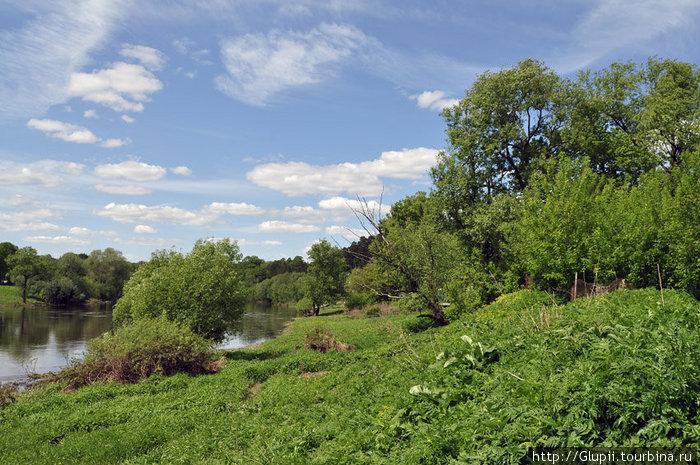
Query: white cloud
(46, 172)
(134, 213)
(38, 56)
(242, 208)
(128, 119)
(351, 234)
(113, 143)
(149, 57)
(245, 242)
(285, 227)
(342, 206)
(181, 170)
(28, 220)
(301, 214)
(64, 131)
(80, 231)
(297, 178)
(90, 114)
(19, 200)
(57, 240)
(144, 229)
(260, 66)
(133, 170)
(123, 87)
(434, 100)
(122, 189)
(149, 242)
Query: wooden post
(575, 284)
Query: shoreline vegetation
(522, 372)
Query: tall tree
(110, 270)
(326, 275)
(6, 249)
(24, 265)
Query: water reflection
(43, 339)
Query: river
(42, 339)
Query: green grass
(11, 295)
(559, 372)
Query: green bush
(417, 325)
(410, 303)
(373, 311)
(202, 290)
(138, 350)
(305, 306)
(357, 300)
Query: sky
(145, 125)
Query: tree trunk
(24, 291)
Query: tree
(412, 250)
(498, 134)
(110, 270)
(326, 275)
(25, 264)
(6, 249)
(203, 289)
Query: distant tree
(203, 289)
(109, 270)
(326, 276)
(6, 249)
(24, 265)
(357, 254)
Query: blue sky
(148, 125)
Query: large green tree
(24, 265)
(110, 270)
(6, 249)
(203, 289)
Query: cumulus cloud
(135, 213)
(122, 189)
(90, 114)
(297, 178)
(435, 100)
(285, 227)
(28, 220)
(342, 206)
(244, 242)
(19, 200)
(181, 170)
(149, 57)
(242, 208)
(123, 87)
(144, 229)
(57, 240)
(114, 143)
(259, 66)
(80, 231)
(64, 131)
(149, 242)
(351, 234)
(128, 119)
(300, 214)
(132, 170)
(46, 172)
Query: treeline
(546, 180)
(70, 279)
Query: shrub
(357, 300)
(139, 349)
(305, 306)
(373, 311)
(323, 341)
(417, 325)
(411, 303)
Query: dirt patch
(253, 390)
(323, 342)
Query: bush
(305, 306)
(323, 341)
(202, 290)
(410, 303)
(138, 350)
(357, 300)
(373, 311)
(513, 304)
(60, 291)
(417, 325)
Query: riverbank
(526, 375)
(10, 296)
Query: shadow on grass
(332, 312)
(244, 355)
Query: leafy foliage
(201, 290)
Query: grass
(281, 403)
(11, 295)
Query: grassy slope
(280, 403)
(10, 295)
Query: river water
(42, 339)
